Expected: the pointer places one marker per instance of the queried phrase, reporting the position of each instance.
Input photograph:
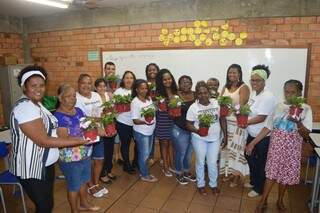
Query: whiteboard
(201, 64)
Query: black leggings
(41, 191)
(126, 135)
(108, 154)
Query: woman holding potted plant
(152, 70)
(181, 136)
(287, 135)
(205, 111)
(124, 122)
(233, 164)
(166, 87)
(143, 117)
(262, 103)
(89, 102)
(75, 161)
(104, 163)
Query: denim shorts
(77, 173)
(98, 151)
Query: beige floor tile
(208, 200)
(175, 206)
(197, 208)
(229, 203)
(140, 209)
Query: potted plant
(148, 114)
(112, 80)
(175, 106)
(89, 129)
(161, 102)
(108, 107)
(205, 121)
(108, 122)
(122, 103)
(225, 103)
(152, 90)
(295, 106)
(242, 112)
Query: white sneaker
(149, 178)
(253, 193)
(248, 185)
(167, 173)
(104, 190)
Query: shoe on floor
(190, 177)
(202, 191)
(253, 193)
(149, 178)
(167, 173)
(96, 194)
(181, 180)
(247, 185)
(104, 190)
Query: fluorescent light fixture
(51, 3)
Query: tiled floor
(129, 194)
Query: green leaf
(205, 119)
(296, 101)
(225, 101)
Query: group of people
(268, 147)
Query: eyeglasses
(256, 80)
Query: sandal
(103, 180)
(226, 179)
(97, 193)
(112, 176)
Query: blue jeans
(144, 146)
(206, 150)
(181, 140)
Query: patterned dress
(232, 157)
(163, 126)
(284, 154)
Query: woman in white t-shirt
(262, 103)
(284, 155)
(142, 128)
(90, 103)
(34, 141)
(206, 148)
(124, 122)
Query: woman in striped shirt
(34, 141)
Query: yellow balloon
(206, 31)
(209, 42)
(164, 31)
(197, 42)
(224, 34)
(192, 37)
(183, 38)
(197, 23)
(238, 41)
(176, 32)
(166, 42)
(223, 42)
(197, 30)
(176, 39)
(190, 31)
(184, 31)
(204, 23)
(215, 36)
(214, 29)
(232, 36)
(203, 37)
(225, 26)
(162, 37)
(243, 35)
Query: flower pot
(112, 85)
(242, 120)
(224, 111)
(203, 131)
(91, 134)
(162, 106)
(148, 119)
(110, 129)
(175, 112)
(295, 112)
(122, 108)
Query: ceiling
(22, 8)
